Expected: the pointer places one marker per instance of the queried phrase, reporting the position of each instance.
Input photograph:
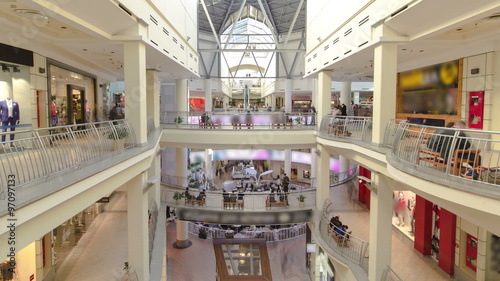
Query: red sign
(32, 277)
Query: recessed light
(63, 27)
(404, 49)
(459, 29)
(421, 51)
(85, 50)
(31, 14)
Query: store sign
(445, 74)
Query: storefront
(72, 95)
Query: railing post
(77, 147)
(45, 155)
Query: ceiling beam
(255, 50)
(293, 23)
(234, 24)
(226, 17)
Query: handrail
(237, 119)
(340, 178)
(346, 128)
(443, 155)
(43, 153)
(271, 235)
(346, 245)
(390, 275)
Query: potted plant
(229, 233)
(178, 121)
(299, 121)
(259, 235)
(202, 233)
(301, 199)
(118, 136)
(178, 196)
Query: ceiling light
(5, 68)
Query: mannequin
(9, 113)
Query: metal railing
(238, 119)
(340, 178)
(390, 131)
(447, 154)
(271, 235)
(390, 275)
(346, 127)
(43, 153)
(346, 245)
(252, 201)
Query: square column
(288, 95)
(153, 95)
(181, 95)
(135, 88)
(384, 88)
(324, 95)
(323, 176)
(380, 226)
(208, 95)
(137, 228)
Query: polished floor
(102, 251)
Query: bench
(284, 126)
(240, 125)
(209, 125)
(270, 204)
(457, 161)
(195, 201)
(233, 205)
(341, 240)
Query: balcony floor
(101, 252)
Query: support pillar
(288, 95)
(273, 101)
(324, 95)
(225, 102)
(209, 172)
(208, 95)
(344, 167)
(314, 167)
(153, 109)
(288, 163)
(447, 230)
(345, 95)
(135, 88)
(137, 226)
(182, 232)
(380, 226)
(323, 176)
(181, 163)
(423, 226)
(384, 88)
(182, 97)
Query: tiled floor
(101, 252)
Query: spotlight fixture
(5, 68)
(15, 69)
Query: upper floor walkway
(79, 159)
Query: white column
(137, 227)
(153, 109)
(324, 95)
(208, 95)
(344, 167)
(384, 88)
(288, 95)
(380, 226)
(288, 162)
(323, 176)
(181, 94)
(181, 166)
(314, 167)
(181, 228)
(135, 88)
(356, 97)
(226, 102)
(208, 164)
(273, 101)
(345, 94)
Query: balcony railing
(390, 275)
(447, 155)
(271, 235)
(44, 153)
(346, 128)
(346, 245)
(239, 119)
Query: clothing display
(9, 113)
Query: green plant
(178, 195)
(259, 235)
(301, 198)
(125, 266)
(298, 119)
(121, 133)
(178, 120)
(202, 233)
